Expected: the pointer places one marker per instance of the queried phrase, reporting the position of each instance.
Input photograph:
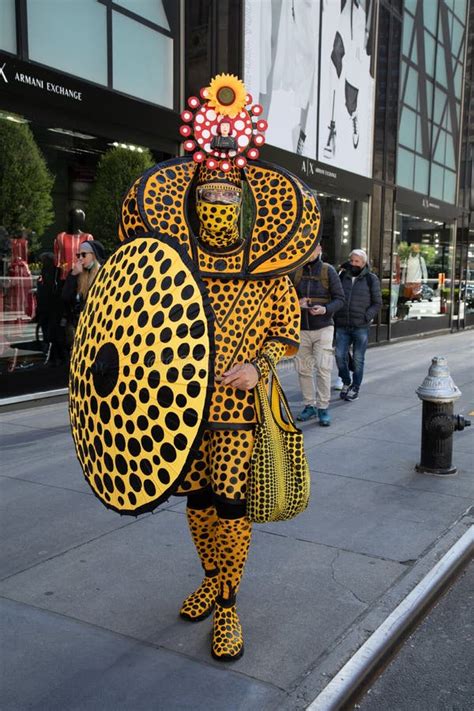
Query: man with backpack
(321, 295)
(363, 301)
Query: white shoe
(338, 384)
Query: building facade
(370, 102)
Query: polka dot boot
(227, 637)
(202, 525)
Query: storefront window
(135, 72)
(7, 26)
(468, 285)
(134, 54)
(345, 226)
(36, 324)
(421, 271)
(70, 36)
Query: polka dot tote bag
(279, 482)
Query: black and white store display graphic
(281, 69)
(346, 93)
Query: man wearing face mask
(363, 302)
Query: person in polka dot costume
(255, 317)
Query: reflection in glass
(7, 26)
(345, 227)
(142, 61)
(421, 271)
(69, 35)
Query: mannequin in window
(414, 273)
(66, 244)
(224, 141)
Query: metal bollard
(438, 393)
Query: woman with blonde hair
(90, 258)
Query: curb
(359, 667)
(46, 397)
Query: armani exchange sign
(38, 83)
(310, 167)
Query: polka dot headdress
(225, 100)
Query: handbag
(279, 480)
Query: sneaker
(324, 417)
(307, 413)
(339, 384)
(344, 390)
(352, 394)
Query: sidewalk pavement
(89, 599)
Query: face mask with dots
(218, 223)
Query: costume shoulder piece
(224, 131)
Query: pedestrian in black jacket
(363, 302)
(321, 296)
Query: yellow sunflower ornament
(226, 94)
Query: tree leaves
(25, 182)
(117, 170)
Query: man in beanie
(363, 302)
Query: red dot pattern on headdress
(201, 125)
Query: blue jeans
(358, 338)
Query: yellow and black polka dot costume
(245, 306)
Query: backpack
(323, 277)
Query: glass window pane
(460, 9)
(422, 171)
(152, 10)
(450, 160)
(411, 91)
(407, 128)
(439, 105)
(437, 180)
(429, 96)
(439, 154)
(458, 80)
(449, 186)
(411, 6)
(7, 26)
(430, 11)
(441, 67)
(430, 45)
(458, 37)
(407, 33)
(69, 35)
(142, 61)
(419, 144)
(405, 168)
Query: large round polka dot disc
(141, 374)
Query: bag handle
(277, 394)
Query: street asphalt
(433, 669)
(90, 600)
